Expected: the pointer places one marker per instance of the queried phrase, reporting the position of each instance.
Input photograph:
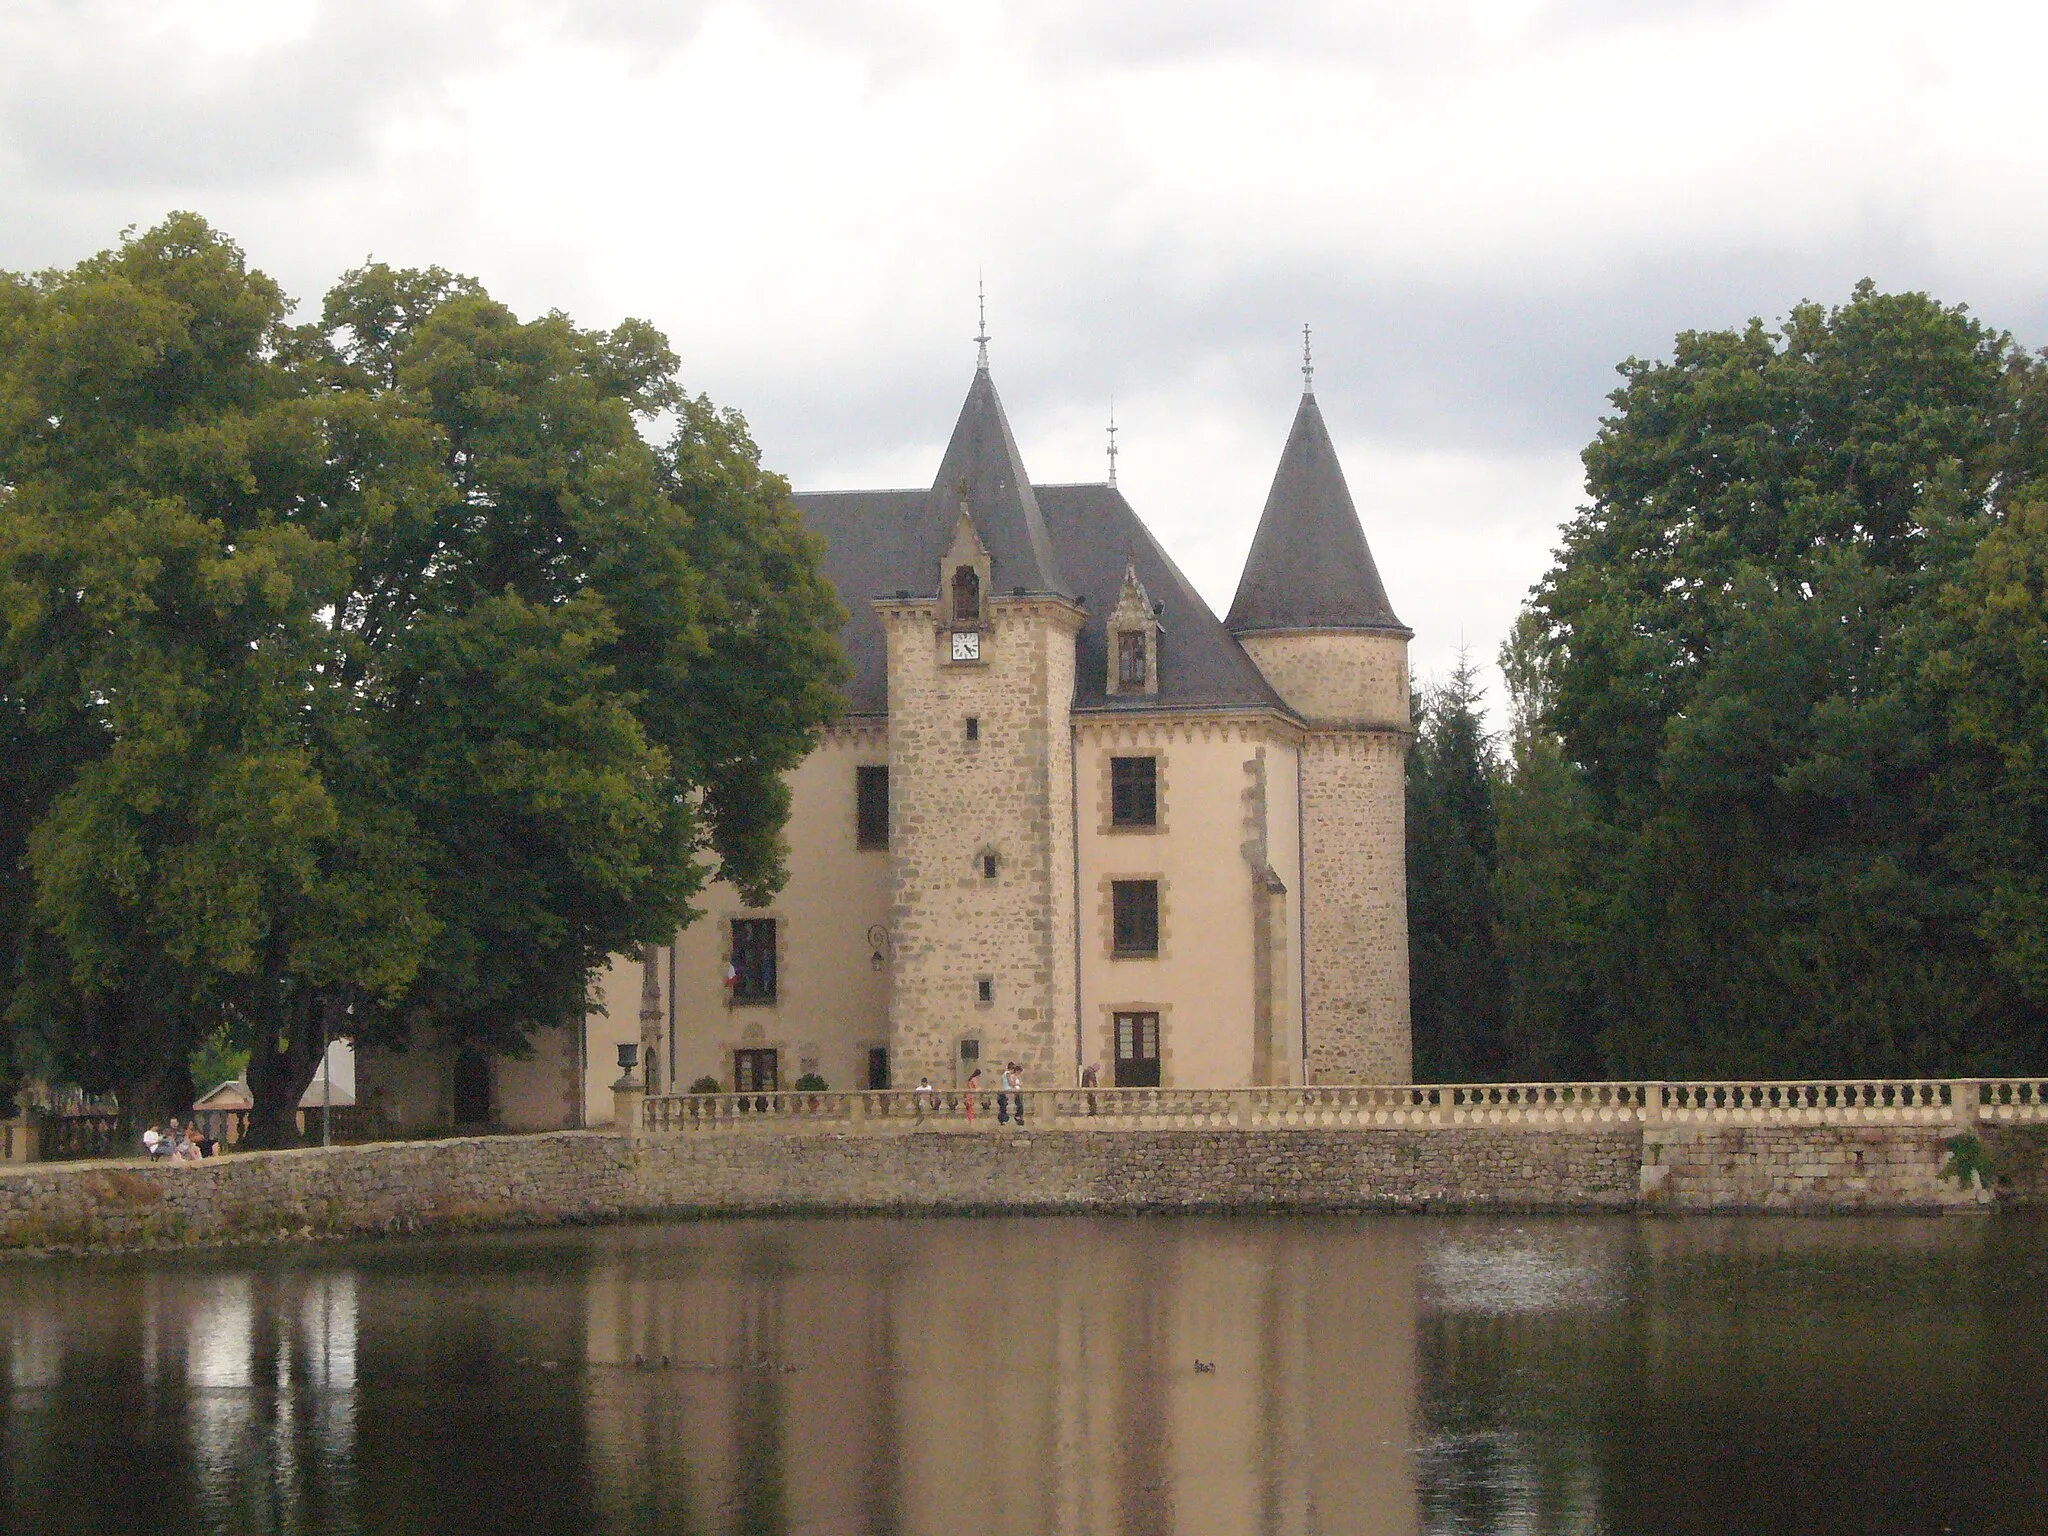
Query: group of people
(1009, 1100)
(176, 1146)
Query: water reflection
(1392, 1376)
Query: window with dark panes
(871, 795)
(755, 1072)
(1134, 912)
(1137, 1050)
(1134, 791)
(1130, 658)
(753, 959)
(878, 1066)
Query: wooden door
(1137, 1050)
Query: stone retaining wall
(1803, 1169)
(576, 1176)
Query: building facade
(1070, 818)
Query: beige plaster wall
(1007, 793)
(407, 1090)
(831, 1003)
(1336, 677)
(618, 987)
(1201, 985)
(541, 1092)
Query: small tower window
(1130, 659)
(966, 597)
(984, 989)
(974, 727)
(988, 866)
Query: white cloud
(1482, 205)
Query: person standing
(924, 1097)
(1090, 1076)
(1012, 1100)
(973, 1092)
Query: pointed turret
(1312, 615)
(983, 472)
(1309, 566)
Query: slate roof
(1074, 541)
(876, 546)
(1309, 567)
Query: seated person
(153, 1143)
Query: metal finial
(981, 339)
(1308, 365)
(1112, 442)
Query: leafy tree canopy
(379, 672)
(1765, 645)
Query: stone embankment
(589, 1176)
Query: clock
(966, 645)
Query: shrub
(706, 1084)
(810, 1082)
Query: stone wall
(1355, 906)
(1802, 1169)
(576, 1176)
(1005, 794)
(572, 1176)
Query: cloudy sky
(1480, 205)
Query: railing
(66, 1138)
(1962, 1103)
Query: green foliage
(1777, 785)
(1968, 1162)
(811, 1082)
(376, 674)
(1456, 981)
(217, 1060)
(706, 1084)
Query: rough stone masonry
(590, 1176)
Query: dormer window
(966, 598)
(1131, 670)
(1133, 636)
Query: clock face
(966, 645)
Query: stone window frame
(725, 957)
(1105, 908)
(1105, 792)
(1105, 1038)
(984, 992)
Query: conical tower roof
(1309, 567)
(983, 469)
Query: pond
(1367, 1374)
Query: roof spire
(981, 338)
(1112, 442)
(1308, 365)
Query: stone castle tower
(1313, 614)
(980, 690)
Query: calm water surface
(1370, 1375)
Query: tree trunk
(282, 1065)
(152, 1062)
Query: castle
(1069, 819)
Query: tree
(1456, 981)
(405, 679)
(1550, 883)
(1732, 634)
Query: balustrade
(1534, 1106)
